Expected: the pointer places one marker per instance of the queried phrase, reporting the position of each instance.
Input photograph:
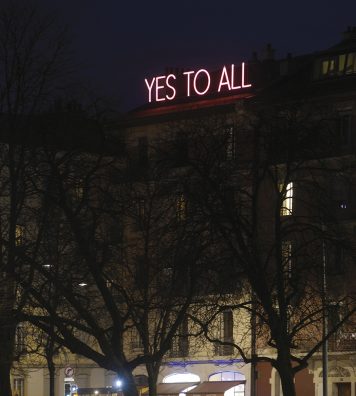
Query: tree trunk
(5, 383)
(152, 384)
(152, 372)
(286, 374)
(52, 377)
(50, 351)
(129, 387)
(7, 336)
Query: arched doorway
(238, 390)
(186, 378)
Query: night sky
(120, 42)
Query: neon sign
(196, 83)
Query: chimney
(268, 53)
(349, 33)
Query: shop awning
(172, 389)
(216, 387)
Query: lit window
(328, 67)
(19, 235)
(350, 64)
(181, 377)
(181, 207)
(342, 61)
(18, 387)
(338, 65)
(287, 202)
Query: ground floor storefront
(192, 378)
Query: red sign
(201, 82)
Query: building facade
(308, 102)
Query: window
(336, 259)
(20, 346)
(141, 209)
(78, 189)
(225, 333)
(345, 125)
(181, 207)
(349, 64)
(340, 192)
(116, 233)
(181, 149)
(18, 387)
(142, 151)
(19, 235)
(136, 341)
(238, 390)
(328, 67)
(287, 258)
(336, 65)
(179, 346)
(230, 143)
(287, 201)
(180, 377)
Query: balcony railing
(343, 342)
(223, 350)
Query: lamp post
(325, 321)
(253, 346)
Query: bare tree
(122, 258)
(263, 179)
(33, 60)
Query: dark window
(141, 380)
(335, 260)
(287, 258)
(225, 334)
(20, 346)
(181, 150)
(143, 151)
(136, 340)
(345, 125)
(141, 209)
(180, 343)
(340, 193)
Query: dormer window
(336, 65)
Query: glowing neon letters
(162, 88)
